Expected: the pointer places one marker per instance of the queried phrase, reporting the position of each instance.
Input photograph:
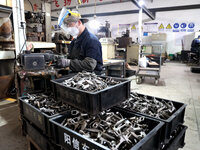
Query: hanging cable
(31, 5)
(78, 3)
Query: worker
(85, 51)
(195, 46)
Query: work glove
(63, 62)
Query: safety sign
(191, 25)
(161, 27)
(169, 26)
(183, 25)
(176, 25)
(133, 27)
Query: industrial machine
(125, 40)
(104, 31)
(195, 54)
(132, 53)
(123, 43)
(62, 42)
(35, 26)
(108, 48)
(38, 61)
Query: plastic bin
(35, 116)
(41, 140)
(178, 141)
(92, 102)
(64, 136)
(171, 123)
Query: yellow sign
(161, 26)
(169, 26)
(133, 27)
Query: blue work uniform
(195, 46)
(85, 53)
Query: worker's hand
(63, 63)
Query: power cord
(31, 5)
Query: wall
(36, 5)
(173, 39)
(6, 2)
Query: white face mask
(73, 31)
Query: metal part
(46, 104)
(153, 107)
(89, 82)
(108, 128)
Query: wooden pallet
(31, 144)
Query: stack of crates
(173, 124)
(49, 133)
(36, 125)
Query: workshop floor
(10, 129)
(176, 83)
(179, 84)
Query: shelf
(7, 55)
(41, 44)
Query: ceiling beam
(154, 10)
(145, 9)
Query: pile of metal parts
(46, 104)
(153, 107)
(108, 128)
(89, 82)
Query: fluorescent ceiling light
(141, 3)
(94, 24)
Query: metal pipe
(19, 25)
(140, 26)
(140, 31)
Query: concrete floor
(10, 130)
(177, 83)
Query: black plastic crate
(39, 139)
(35, 116)
(178, 141)
(171, 123)
(64, 136)
(92, 102)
